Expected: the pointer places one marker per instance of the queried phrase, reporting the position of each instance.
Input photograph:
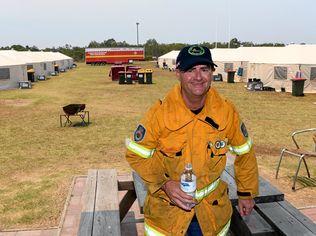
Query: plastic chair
(298, 152)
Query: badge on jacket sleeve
(139, 133)
(243, 129)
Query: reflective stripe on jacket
(241, 149)
(138, 149)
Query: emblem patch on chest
(139, 133)
(220, 144)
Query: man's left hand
(245, 206)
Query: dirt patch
(302, 197)
(16, 102)
(267, 150)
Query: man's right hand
(177, 196)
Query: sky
(77, 22)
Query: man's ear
(178, 74)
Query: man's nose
(198, 75)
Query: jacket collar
(177, 115)
(215, 109)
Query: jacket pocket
(172, 153)
(220, 206)
(159, 211)
(215, 152)
(172, 146)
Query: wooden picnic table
(103, 213)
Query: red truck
(98, 56)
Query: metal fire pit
(75, 110)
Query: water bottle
(188, 180)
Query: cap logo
(196, 50)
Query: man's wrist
(163, 187)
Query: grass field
(38, 158)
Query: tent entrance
(56, 68)
(30, 76)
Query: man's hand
(245, 206)
(177, 196)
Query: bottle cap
(188, 166)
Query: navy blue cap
(193, 55)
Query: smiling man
(193, 124)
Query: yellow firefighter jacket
(171, 136)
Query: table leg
(68, 120)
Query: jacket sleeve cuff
(245, 195)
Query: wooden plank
(267, 192)
(307, 222)
(107, 215)
(253, 224)
(282, 220)
(129, 226)
(126, 203)
(125, 182)
(87, 213)
(141, 191)
(125, 185)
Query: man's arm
(245, 165)
(141, 151)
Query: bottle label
(188, 186)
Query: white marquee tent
(16, 66)
(12, 71)
(169, 58)
(227, 59)
(64, 62)
(275, 66)
(41, 64)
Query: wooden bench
(102, 212)
(271, 215)
(25, 84)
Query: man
(193, 124)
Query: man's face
(196, 81)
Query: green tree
(151, 48)
(109, 43)
(247, 44)
(123, 44)
(234, 43)
(34, 49)
(279, 45)
(5, 48)
(93, 44)
(18, 47)
(208, 45)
